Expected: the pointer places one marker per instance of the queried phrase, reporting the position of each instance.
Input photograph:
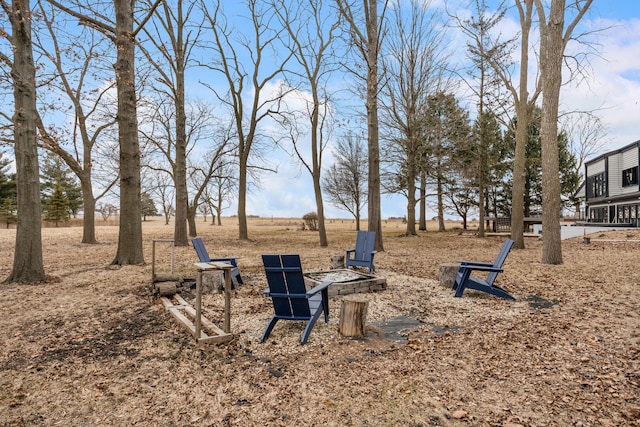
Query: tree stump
(353, 316)
(448, 273)
(337, 262)
(212, 281)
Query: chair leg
(312, 322)
(462, 283)
(235, 273)
(325, 304)
(269, 328)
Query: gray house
(612, 190)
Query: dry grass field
(93, 347)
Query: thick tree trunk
(130, 231)
(180, 169)
(316, 153)
(27, 261)
(191, 221)
(517, 196)
(243, 231)
(375, 215)
(411, 196)
(522, 128)
(552, 51)
(89, 209)
(440, 191)
(423, 202)
(322, 230)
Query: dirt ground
(92, 346)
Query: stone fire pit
(346, 281)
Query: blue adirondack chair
(464, 279)
(291, 300)
(362, 254)
(203, 256)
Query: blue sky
(612, 88)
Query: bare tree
(586, 134)
(171, 42)
(446, 128)
(554, 37)
(523, 102)
(123, 34)
(27, 260)
(163, 188)
(74, 57)
(222, 188)
(368, 44)
(484, 84)
(209, 166)
(239, 56)
(312, 30)
(415, 66)
(344, 182)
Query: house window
(596, 186)
(630, 177)
(597, 214)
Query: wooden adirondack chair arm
(482, 268)
(463, 262)
(320, 287)
(312, 292)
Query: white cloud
(614, 83)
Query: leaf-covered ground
(92, 346)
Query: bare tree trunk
(322, 230)
(243, 229)
(441, 226)
(519, 161)
(411, 196)
(130, 232)
(373, 41)
(191, 221)
(89, 209)
(522, 112)
(180, 169)
(27, 261)
(423, 202)
(551, 45)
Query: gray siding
(595, 168)
(617, 163)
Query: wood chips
(92, 346)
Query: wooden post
(353, 316)
(153, 257)
(216, 265)
(227, 299)
(448, 273)
(198, 318)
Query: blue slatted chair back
(286, 286)
(198, 245)
(365, 242)
(502, 256)
(203, 256)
